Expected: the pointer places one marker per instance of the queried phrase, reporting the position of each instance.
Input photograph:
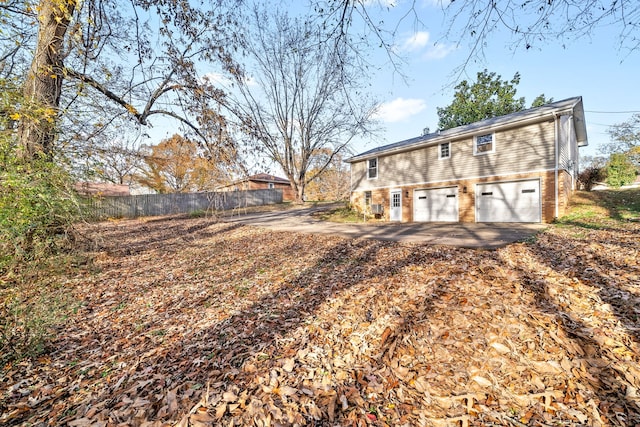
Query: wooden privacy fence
(179, 203)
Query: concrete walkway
(465, 235)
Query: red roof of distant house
(101, 189)
(264, 177)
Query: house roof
(571, 105)
(101, 189)
(261, 177)
(264, 177)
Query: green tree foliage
(489, 96)
(620, 170)
(38, 205)
(540, 101)
(625, 139)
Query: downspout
(573, 163)
(557, 161)
(350, 184)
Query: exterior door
(395, 213)
(517, 201)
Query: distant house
(521, 167)
(262, 181)
(101, 189)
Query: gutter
(556, 124)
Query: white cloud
(416, 41)
(439, 51)
(399, 109)
(418, 44)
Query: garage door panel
(438, 204)
(509, 202)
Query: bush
(38, 205)
(620, 171)
(588, 177)
(38, 208)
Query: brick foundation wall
(466, 199)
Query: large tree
(625, 139)
(98, 59)
(489, 96)
(179, 165)
(300, 96)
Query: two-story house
(521, 167)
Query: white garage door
(437, 204)
(508, 202)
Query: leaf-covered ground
(192, 322)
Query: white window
(372, 168)
(367, 199)
(484, 144)
(444, 150)
(272, 185)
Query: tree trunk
(300, 194)
(43, 85)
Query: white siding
(519, 150)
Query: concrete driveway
(465, 235)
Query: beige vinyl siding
(568, 149)
(518, 150)
(564, 148)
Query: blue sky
(592, 67)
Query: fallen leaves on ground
(190, 322)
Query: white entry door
(517, 201)
(395, 213)
(436, 204)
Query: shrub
(620, 171)
(588, 177)
(38, 208)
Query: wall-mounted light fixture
(464, 189)
(406, 193)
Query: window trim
(440, 156)
(475, 144)
(369, 168)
